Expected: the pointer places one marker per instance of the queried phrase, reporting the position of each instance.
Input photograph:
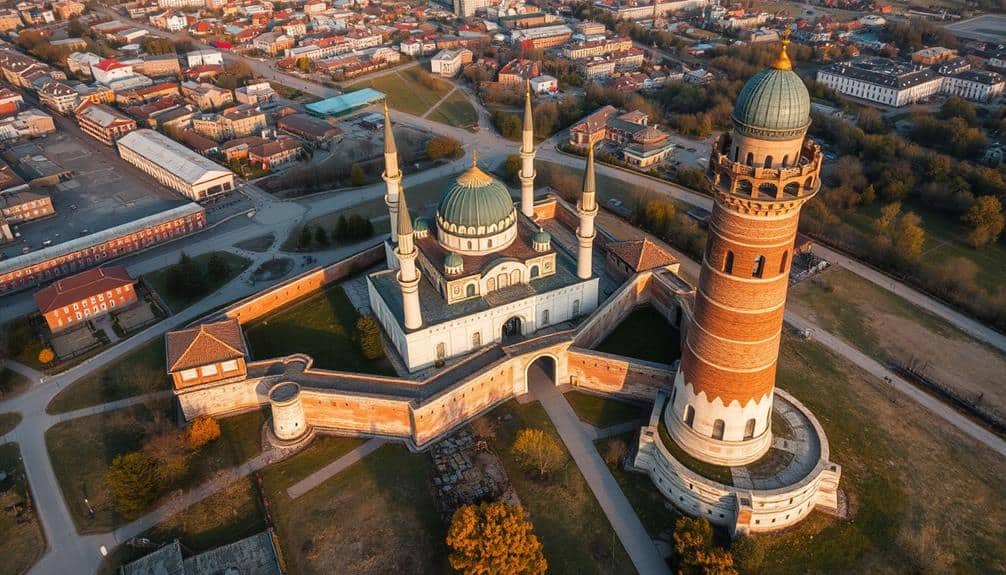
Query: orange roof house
(208, 352)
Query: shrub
(357, 175)
(216, 267)
(538, 453)
(693, 543)
(615, 452)
(134, 482)
(368, 337)
(440, 147)
(748, 554)
(46, 356)
(494, 538)
(203, 430)
(171, 453)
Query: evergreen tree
(321, 236)
(217, 268)
(340, 232)
(304, 240)
(134, 482)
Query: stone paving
(790, 458)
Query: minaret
(587, 209)
(408, 275)
(763, 172)
(527, 158)
(392, 175)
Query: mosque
(475, 293)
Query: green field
(82, 449)
(405, 92)
(12, 383)
(457, 111)
(644, 334)
(21, 542)
(322, 326)
(604, 412)
(158, 280)
(8, 421)
(142, 371)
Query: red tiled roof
(109, 64)
(205, 344)
(80, 286)
(641, 255)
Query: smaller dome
(453, 263)
(420, 224)
(541, 240)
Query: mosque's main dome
(475, 205)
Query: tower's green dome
(476, 204)
(773, 103)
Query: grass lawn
(662, 341)
(229, 515)
(321, 326)
(8, 421)
(457, 111)
(12, 383)
(20, 343)
(604, 412)
(376, 212)
(656, 513)
(377, 516)
(21, 544)
(714, 472)
(405, 92)
(893, 330)
(158, 280)
(82, 449)
(573, 529)
(140, 372)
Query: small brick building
(90, 294)
(206, 353)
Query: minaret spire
(587, 209)
(408, 274)
(527, 152)
(392, 175)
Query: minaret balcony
(798, 180)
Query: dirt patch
(272, 269)
(257, 245)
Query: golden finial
(475, 158)
(783, 62)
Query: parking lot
(104, 192)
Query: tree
(615, 452)
(134, 482)
(75, 29)
(483, 428)
(203, 430)
(693, 543)
(339, 233)
(357, 175)
(985, 218)
(868, 196)
(748, 554)
(46, 356)
(368, 337)
(170, 452)
(440, 147)
(304, 239)
(887, 217)
(511, 168)
(538, 453)
(186, 278)
(321, 236)
(494, 538)
(216, 268)
(910, 237)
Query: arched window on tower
(783, 262)
(785, 160)
(749, 429)
(718, 429)
(759, 266)
(768, 161)
(689, 418)
(728, 263)
(750, 160)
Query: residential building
(271, 155)
(200, 57)
(588, 49)
(981, 86)
(67, 9)
(88, 295)
(109, 70)
(255, 93)
(160, 65)
(648, 147)
(544, 84)
(448, 63)
(468, 8)
(81, 62)
(174, 165)
(103, 123)
(542, 36)
(10, 101)
(933, 55)
(206, 96)
(882, 81)
(81, 253)
(169, 20)
(24, 205)
(30, 123)
(517, 72)
(9, 20)
(309, 128)
(58, 97)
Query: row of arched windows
(768, 159)
(718, 425)
(758, 270)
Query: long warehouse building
(36, 268)
(174, 165)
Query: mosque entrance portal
(512, 330)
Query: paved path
(334, 468)
(637, 542)
(440, 101)
(595, 433)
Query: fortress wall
(264, 302)
(357, 413)
(462, 402)
(613, 311)
(221, 398)
(617, 375)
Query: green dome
(453, 260)
(475, 200)
(541, 237)
(774, 102)
(419, 225)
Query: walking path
(440, 101)
(334, 468)
(636, 541)
(596, 433)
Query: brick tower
(763, 171)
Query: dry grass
(21, 544)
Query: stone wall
(610, 374)
(264, 302)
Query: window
(544, 317)
(783, 262)
(441, 350)
(576, 307)
(768, 161)
(469, 244)
(750, 160)
(231, 365)
(208, 370)
(728, 263)
(759, 266)
(534, 271)
(476, 339)
(718, 429)
(785, 160)
(188, 375)
(689, 415)
(470, 290)
(749, 429)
